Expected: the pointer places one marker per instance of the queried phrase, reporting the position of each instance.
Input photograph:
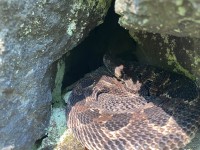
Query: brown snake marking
(140, 108)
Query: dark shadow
(39, 141)
(87, 56)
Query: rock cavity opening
(84, 58)
(87, 56)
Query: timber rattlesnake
(126, 106)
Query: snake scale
(127, 106)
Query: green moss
(68, 142)
(88, 6)
(172, 60)
(165, 38)
(57, 124)
(58, 83)
(177, 30)
(102, 4)
(196, 60)
(179, 2)
(197, 21)
(71, 28)
(135, 37)
(181, 11)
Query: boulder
(167, 33)
(33, 35)
(178, 18)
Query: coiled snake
(126, 106)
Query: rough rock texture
(180, 54)
(167, 33)
(33, 34)
(178, 18)
(57, 123)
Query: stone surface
(61, 139)
(178, 18)
(68, 142)
(179, 54)
(57, 123)
(33, 34)
(167, 33)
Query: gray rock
(33, 34)
(167, 33)
(178, 18)
(179, 54)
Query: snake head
(114, 65)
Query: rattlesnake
(127, 106)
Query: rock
(178, 18)
(68, 142)
(179, 54)
(167, 33)
(33, 35)
(58, 122)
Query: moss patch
(57, 99)
(68, 142)
(172, 60)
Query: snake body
(128, 106)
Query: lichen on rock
(33, 35)
(177, 18)
(167, 36)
